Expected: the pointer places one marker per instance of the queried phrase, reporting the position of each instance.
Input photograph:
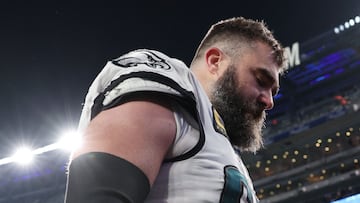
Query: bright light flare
(23, 156)
(70, 141)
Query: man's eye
(262, 83)
(275, 92)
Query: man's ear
(214, 58)
(216, 61)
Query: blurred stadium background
(312, 138)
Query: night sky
(51, 51)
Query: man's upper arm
(140, 132)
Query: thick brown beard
(244, 120)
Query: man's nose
(266, 98)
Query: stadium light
(351, 22)
(357, 19)
(69, 141)
(341, 27)
(23, 156)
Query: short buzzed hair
(237, 31)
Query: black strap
(98, 177)
(186, 95)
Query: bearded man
(156, 131)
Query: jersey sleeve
(138, 74)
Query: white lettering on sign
(292, 55)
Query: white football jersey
(201, 165)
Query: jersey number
(234, 186)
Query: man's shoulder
(150, 58)
(150, 65)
